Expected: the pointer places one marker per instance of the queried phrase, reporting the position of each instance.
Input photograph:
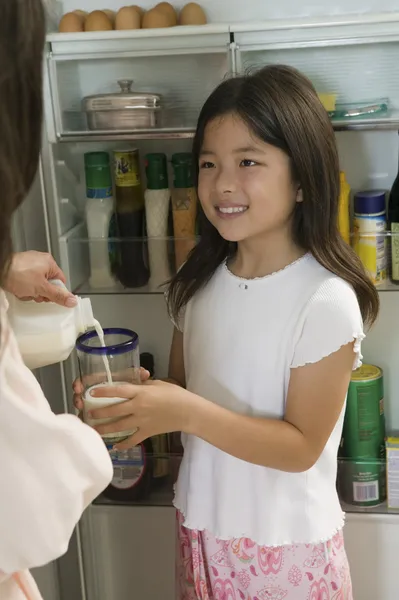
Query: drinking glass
(111, 361)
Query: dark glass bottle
(393, 226)
(132, 269)
(160, 443)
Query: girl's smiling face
(245, 185)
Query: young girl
(269, 311)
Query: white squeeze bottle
(99, 209)
(157, 204)
(46, 333)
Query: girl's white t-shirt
(241, 340)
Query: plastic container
(46, 333)
(369, 227)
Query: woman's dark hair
(281, 107)
(22, 35)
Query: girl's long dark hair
(22, 35)
(281, 107)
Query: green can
(362, 467)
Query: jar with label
(132, 264)
(369, 228)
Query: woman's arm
(51, 468)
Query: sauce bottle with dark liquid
(132, 269)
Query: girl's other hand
(78, 388)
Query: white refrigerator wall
(253, 10)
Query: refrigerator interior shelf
(166, 133)
(387, 121)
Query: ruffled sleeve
(331, 319)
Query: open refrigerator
(123, 550)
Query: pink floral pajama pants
(239, 569)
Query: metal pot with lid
(124, 110)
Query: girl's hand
(78, 388)
(153, 408)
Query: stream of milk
(100, 333)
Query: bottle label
(129, 466)
(395, 251)
(370, 246)
(127, 169)
(105, 192)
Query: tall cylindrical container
(184, 204)
(99, 208)
(132, 268)
(157, 203)
(363, 471)
(369, 228)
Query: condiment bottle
(132, 270)
(369, 227)
(184, 203)
(393, 225)
(157, 203)
(46, 333)
(99, 209)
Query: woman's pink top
(51, 468)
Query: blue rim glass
(130, 344)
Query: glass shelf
(145, 265)
(165, 133)
(160, 493)
(388, 121)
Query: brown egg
(70, 23)
(153, 19)
(168, 10)
(110, 14)
(192, 14)
(140, 10)
(82, 14)
(128, 18)
(98, 21)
